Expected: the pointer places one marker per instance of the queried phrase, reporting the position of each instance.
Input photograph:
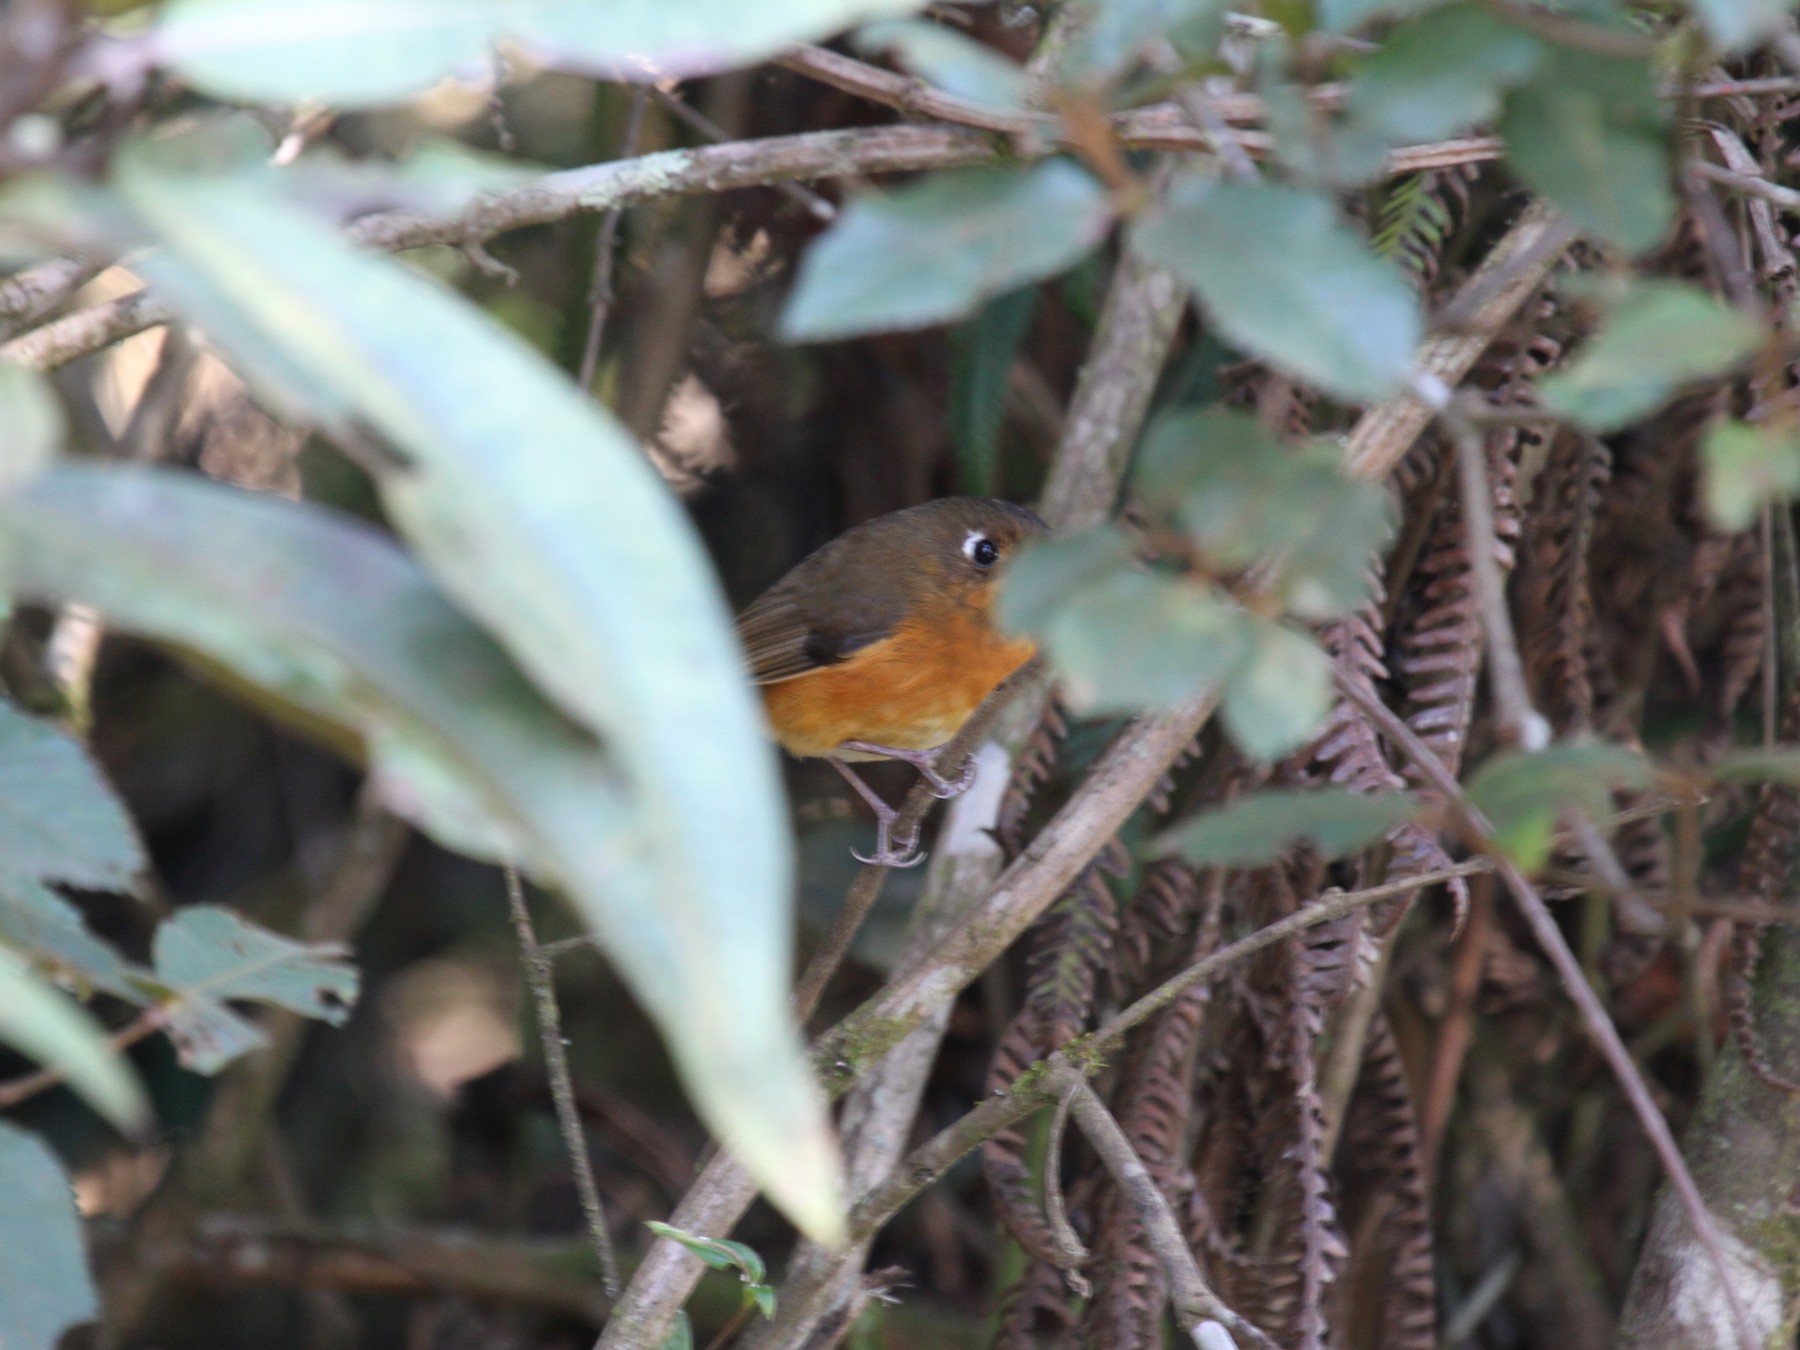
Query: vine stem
(540, 976)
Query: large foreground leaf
(330, 616)
(45, 1024)
(350, 52)
(44, 1284)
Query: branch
(540, 975)
(1195, 1304)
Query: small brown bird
(880, 644)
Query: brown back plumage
(857, 589)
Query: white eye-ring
(980, 550)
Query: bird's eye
(981, 550)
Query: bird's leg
(886, 854)
(923, 761)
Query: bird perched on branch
(883, 642)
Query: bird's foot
(925, 762)
(888, 851)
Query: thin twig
(29, 1085)
(811, 202)
(1568, 968)
(1069, 1249)
(1195, 1304)
(541, 977)
(600, 288)
(1522, 724)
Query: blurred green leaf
(44, 1284)
(985, 349)
(952, 61)
(1776, 764)
(1285, 279)
(1241, 492)
(930, 252)
(1662, 335)
(1733, 24)
(46, 1025)
(1343, 16)
(1278, 692)
(1134, 639)
(31, 423)
(681, 1335)
(1260, 826)
(1107, 35)
(358, 52)
(550, 525)
(1522, 793)
(1590, 133)
(763, 1297)
(1439, 74)
(1048, 571)
(1744, 466)
(41, 925)
(207, 956)
(59, 819)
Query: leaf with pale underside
(45, 1287)
(932, 251)
(1260, 827)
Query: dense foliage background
(1386, 866)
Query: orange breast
(912, 690)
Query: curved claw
(945, 788)
(911, 856)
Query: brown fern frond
(1768, 859)
(1385, 1172)
(1009, 1177)
(1035, 1312)
(1074, 945)
(1743, 634)
(1037, 761)
(1558, 603)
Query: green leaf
(1661, 336)
(1777, 764)
(1261, 826)
(1590, 133)
(1343, 16)
(547, 522)
(1745, 466)
(1108, 35)
(206, 950)
(1121, 638)
(950, 60)
(1733, 24)
(44, 1284)
(1285, 279)
(1522, 793)
(59, 820)
(681, 1335)
(932, 251)
(1439, 74)
(44, 1024)
(763, 1297)
(1242, 492)
(207, 956)
(38, 923)
(31, 423)
(719, 1253)
(985, 349)
(359, 52)
(1048, 571)
(1278, 691)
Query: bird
(881, 643)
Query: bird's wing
(815, 617)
